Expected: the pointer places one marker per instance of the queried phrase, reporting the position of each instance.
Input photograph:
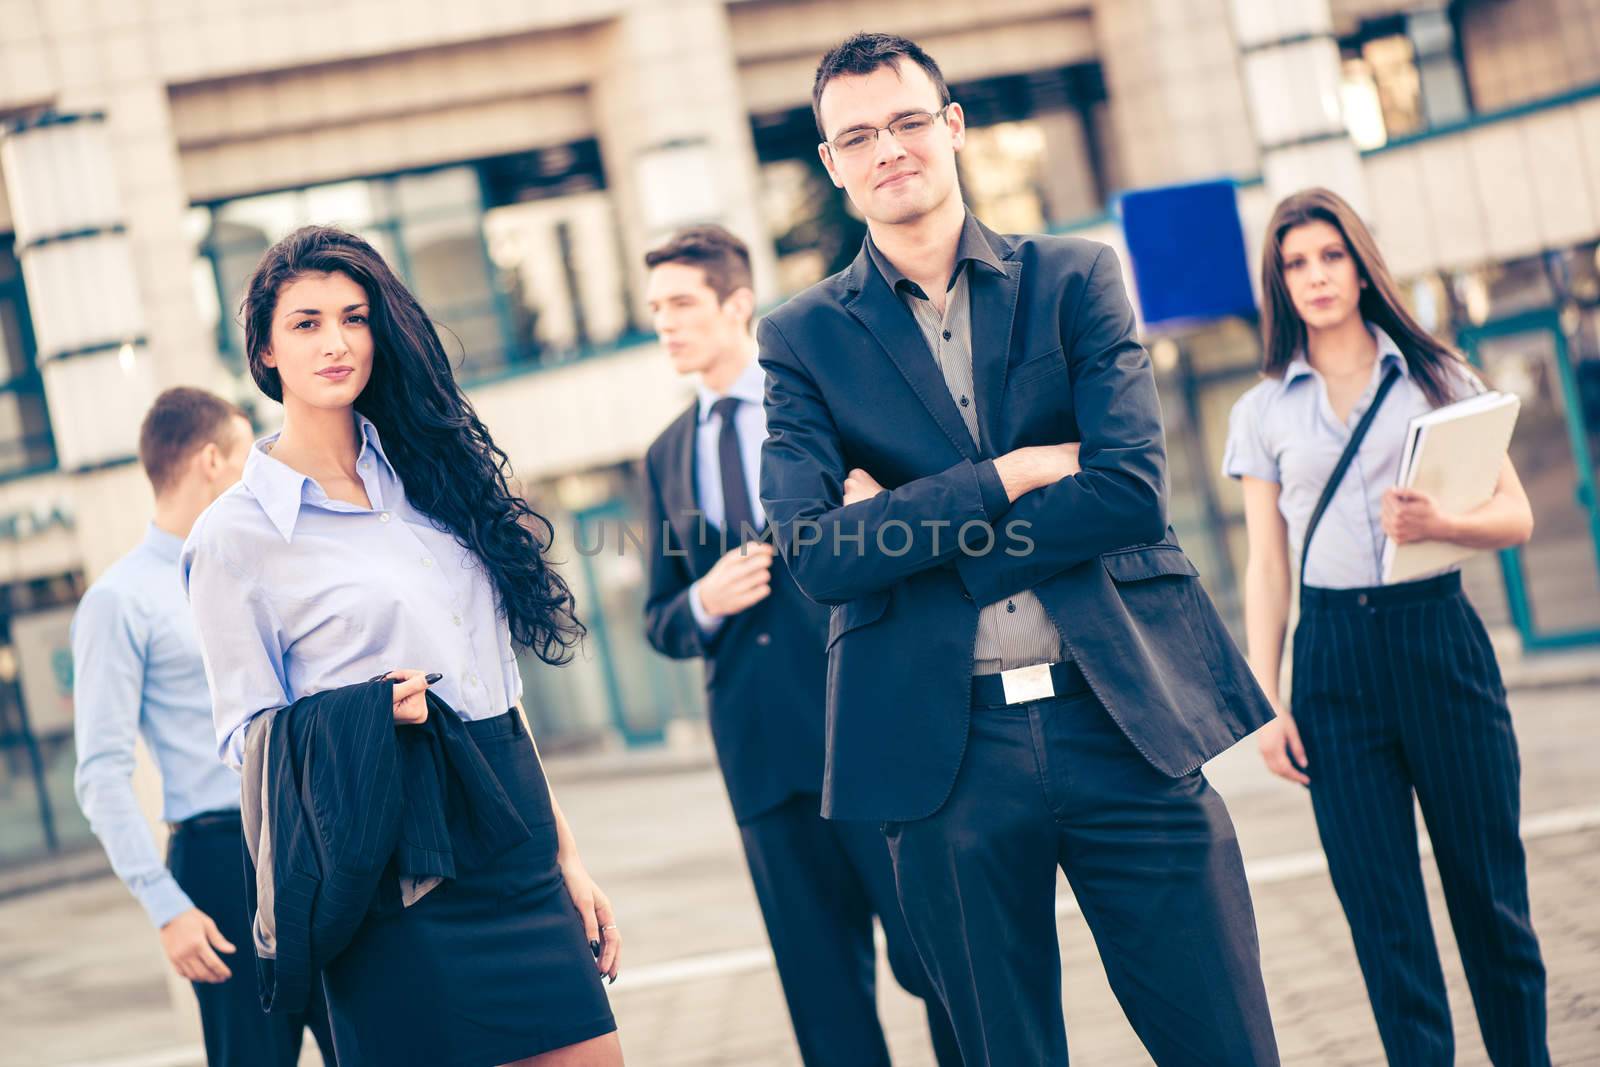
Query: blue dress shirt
(137, 670)
(1285, 431)
(296, 593)
(750, 422)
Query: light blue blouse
(295, 593)
(1284, 431)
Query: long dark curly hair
(452, 470)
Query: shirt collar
(972, 245)
(165, 546)
(1389, 355)
(281, 490)
(750, 387)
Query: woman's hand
(1410, 515)
(410, 697)
(1278, 740)
(594, 907)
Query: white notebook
(1455, 454)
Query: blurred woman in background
(1397, 694)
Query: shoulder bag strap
(1339, 469)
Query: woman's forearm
(566, 844)
(1266, 619)
(1503, 521)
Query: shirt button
(1011, 606)
(456, 619)
(366, 466)
(1361, 598)
(965, 401)
(947, 335)
(426, 562)
(763, 640)
(383, 516)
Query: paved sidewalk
(81, 979)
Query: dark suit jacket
(851, 383)
(764, 667)
(348, 796)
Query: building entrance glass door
(1553, 582)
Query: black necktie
(736, 510)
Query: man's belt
(225, 819)
(1039, 682)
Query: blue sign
(1187, 248)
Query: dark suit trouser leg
(819, 920)
(208, 865)
(1155, 868)
(1463, 751)
(1434, 720)
(870, 857)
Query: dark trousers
(1152, 860)
(819, 884)
(1397, 694)
(207, 856)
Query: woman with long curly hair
(376, 535)
(1397, 698)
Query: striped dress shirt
(1014, 632)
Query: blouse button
(456, 619)
(426, 562)
(383, 516)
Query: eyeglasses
(855, 141)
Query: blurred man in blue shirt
(138, 670)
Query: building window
(517, 259)
(1035, 157)
(1402, 76)
(25, 440)
(616, 687)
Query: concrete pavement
(81, 979)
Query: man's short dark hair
(181, 421)
(722, 257)
(863, 53)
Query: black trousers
(207, 858)
(819, 884)
(1397, 695)
(1152, 860)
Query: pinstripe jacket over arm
(333, 790)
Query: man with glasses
(965, 459)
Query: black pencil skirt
(487, 968)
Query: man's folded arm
(1119, 496)
(835, 552)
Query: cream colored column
(674, 132)
(1290, 60)
(1174, 92)
(106, 59)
